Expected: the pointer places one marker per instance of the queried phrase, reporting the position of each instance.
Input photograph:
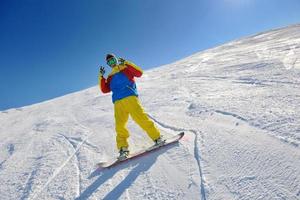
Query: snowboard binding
(124, 153)
(159, 142)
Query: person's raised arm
(134, 69)
(103, 83)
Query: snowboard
(168, 141)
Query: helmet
(110, 55)
(111, 60)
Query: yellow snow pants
(132, 106)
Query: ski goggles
(112, 61)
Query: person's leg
(121, 118)
(141, 118)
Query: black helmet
(110, 55)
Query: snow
(237, 103)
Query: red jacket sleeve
(133, 69)
(104, 84)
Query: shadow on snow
(141, 165)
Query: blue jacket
(121, 81)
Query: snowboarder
(125, 98)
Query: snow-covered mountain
(239, 105)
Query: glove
(101, 71)
(121, 61)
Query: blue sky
(53, 47)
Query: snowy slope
(238, 104)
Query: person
(125, 99)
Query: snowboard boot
(159, 141)
(124, 152)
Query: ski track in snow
(282, 139)
(30, 180)
(10, 150)
(196, 150)
(78, 167)
(58, 170)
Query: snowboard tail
(143, 152)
